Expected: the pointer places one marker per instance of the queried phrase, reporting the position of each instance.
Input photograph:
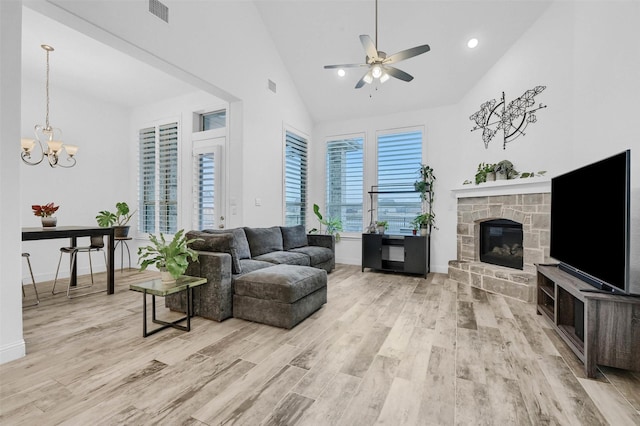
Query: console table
(377, 253)
(73, 232)
(599, 328)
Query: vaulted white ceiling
(308, 35)
(311, 34)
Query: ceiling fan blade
(369, 47)
(362, 81)
(330, 67)
(399, 74)
(406, 54)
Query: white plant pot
(166, 277)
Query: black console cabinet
(377, 253)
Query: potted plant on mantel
(118, 220)
(171, 258)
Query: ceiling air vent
(272, 86)
(159, 9)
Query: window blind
(399, 158)
(158, 179)
(345, 174)
(147, 180)
(168, 178)
(295, 179)
(205, 186)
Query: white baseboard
(12, 351)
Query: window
(399, 158)
(205, 190)
(213, 120)
(295, 179)
(345, 182)
(158, 179)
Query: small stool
(33, 280)
(122, 241)
(280, 295)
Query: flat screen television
(590, 223)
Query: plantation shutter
(399, 159)
(158, 179)
(147, 180)
(345, 174)
(205, 186)
(295, 179)
(168, 178)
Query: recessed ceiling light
(472, 43)
(341, 72)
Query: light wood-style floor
(385, 349)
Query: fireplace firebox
(501, 243)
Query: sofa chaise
(273, 275)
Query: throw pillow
(293, 237)
(264, 240)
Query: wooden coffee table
(157, 288)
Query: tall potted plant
(425, 187)
(170, 257)
(334, 225)
(118, 220)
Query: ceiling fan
(379, 63)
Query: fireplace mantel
(535, 185)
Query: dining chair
(97, 244)
(33, 281)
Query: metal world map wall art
(512, 118)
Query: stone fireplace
(502, 207)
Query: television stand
(600, 328)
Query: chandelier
(57, 153)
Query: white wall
(226, 44)
(435, 153)
(586, 54)
(181, 108)
(105, 172)
(12, 345)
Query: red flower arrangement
(46, 210)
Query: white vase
(424, 231)
(166, 276)
(49, 221)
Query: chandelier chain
(47, 90)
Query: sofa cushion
(282, 283)
(250, 265)
(264, 240)
(217, 240)
(317, 255)
(285, 257)
(241, 243)
(293, 236)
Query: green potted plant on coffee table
(118, 220)
(170, 257)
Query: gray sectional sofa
(228, 255)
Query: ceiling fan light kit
(379, 63)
